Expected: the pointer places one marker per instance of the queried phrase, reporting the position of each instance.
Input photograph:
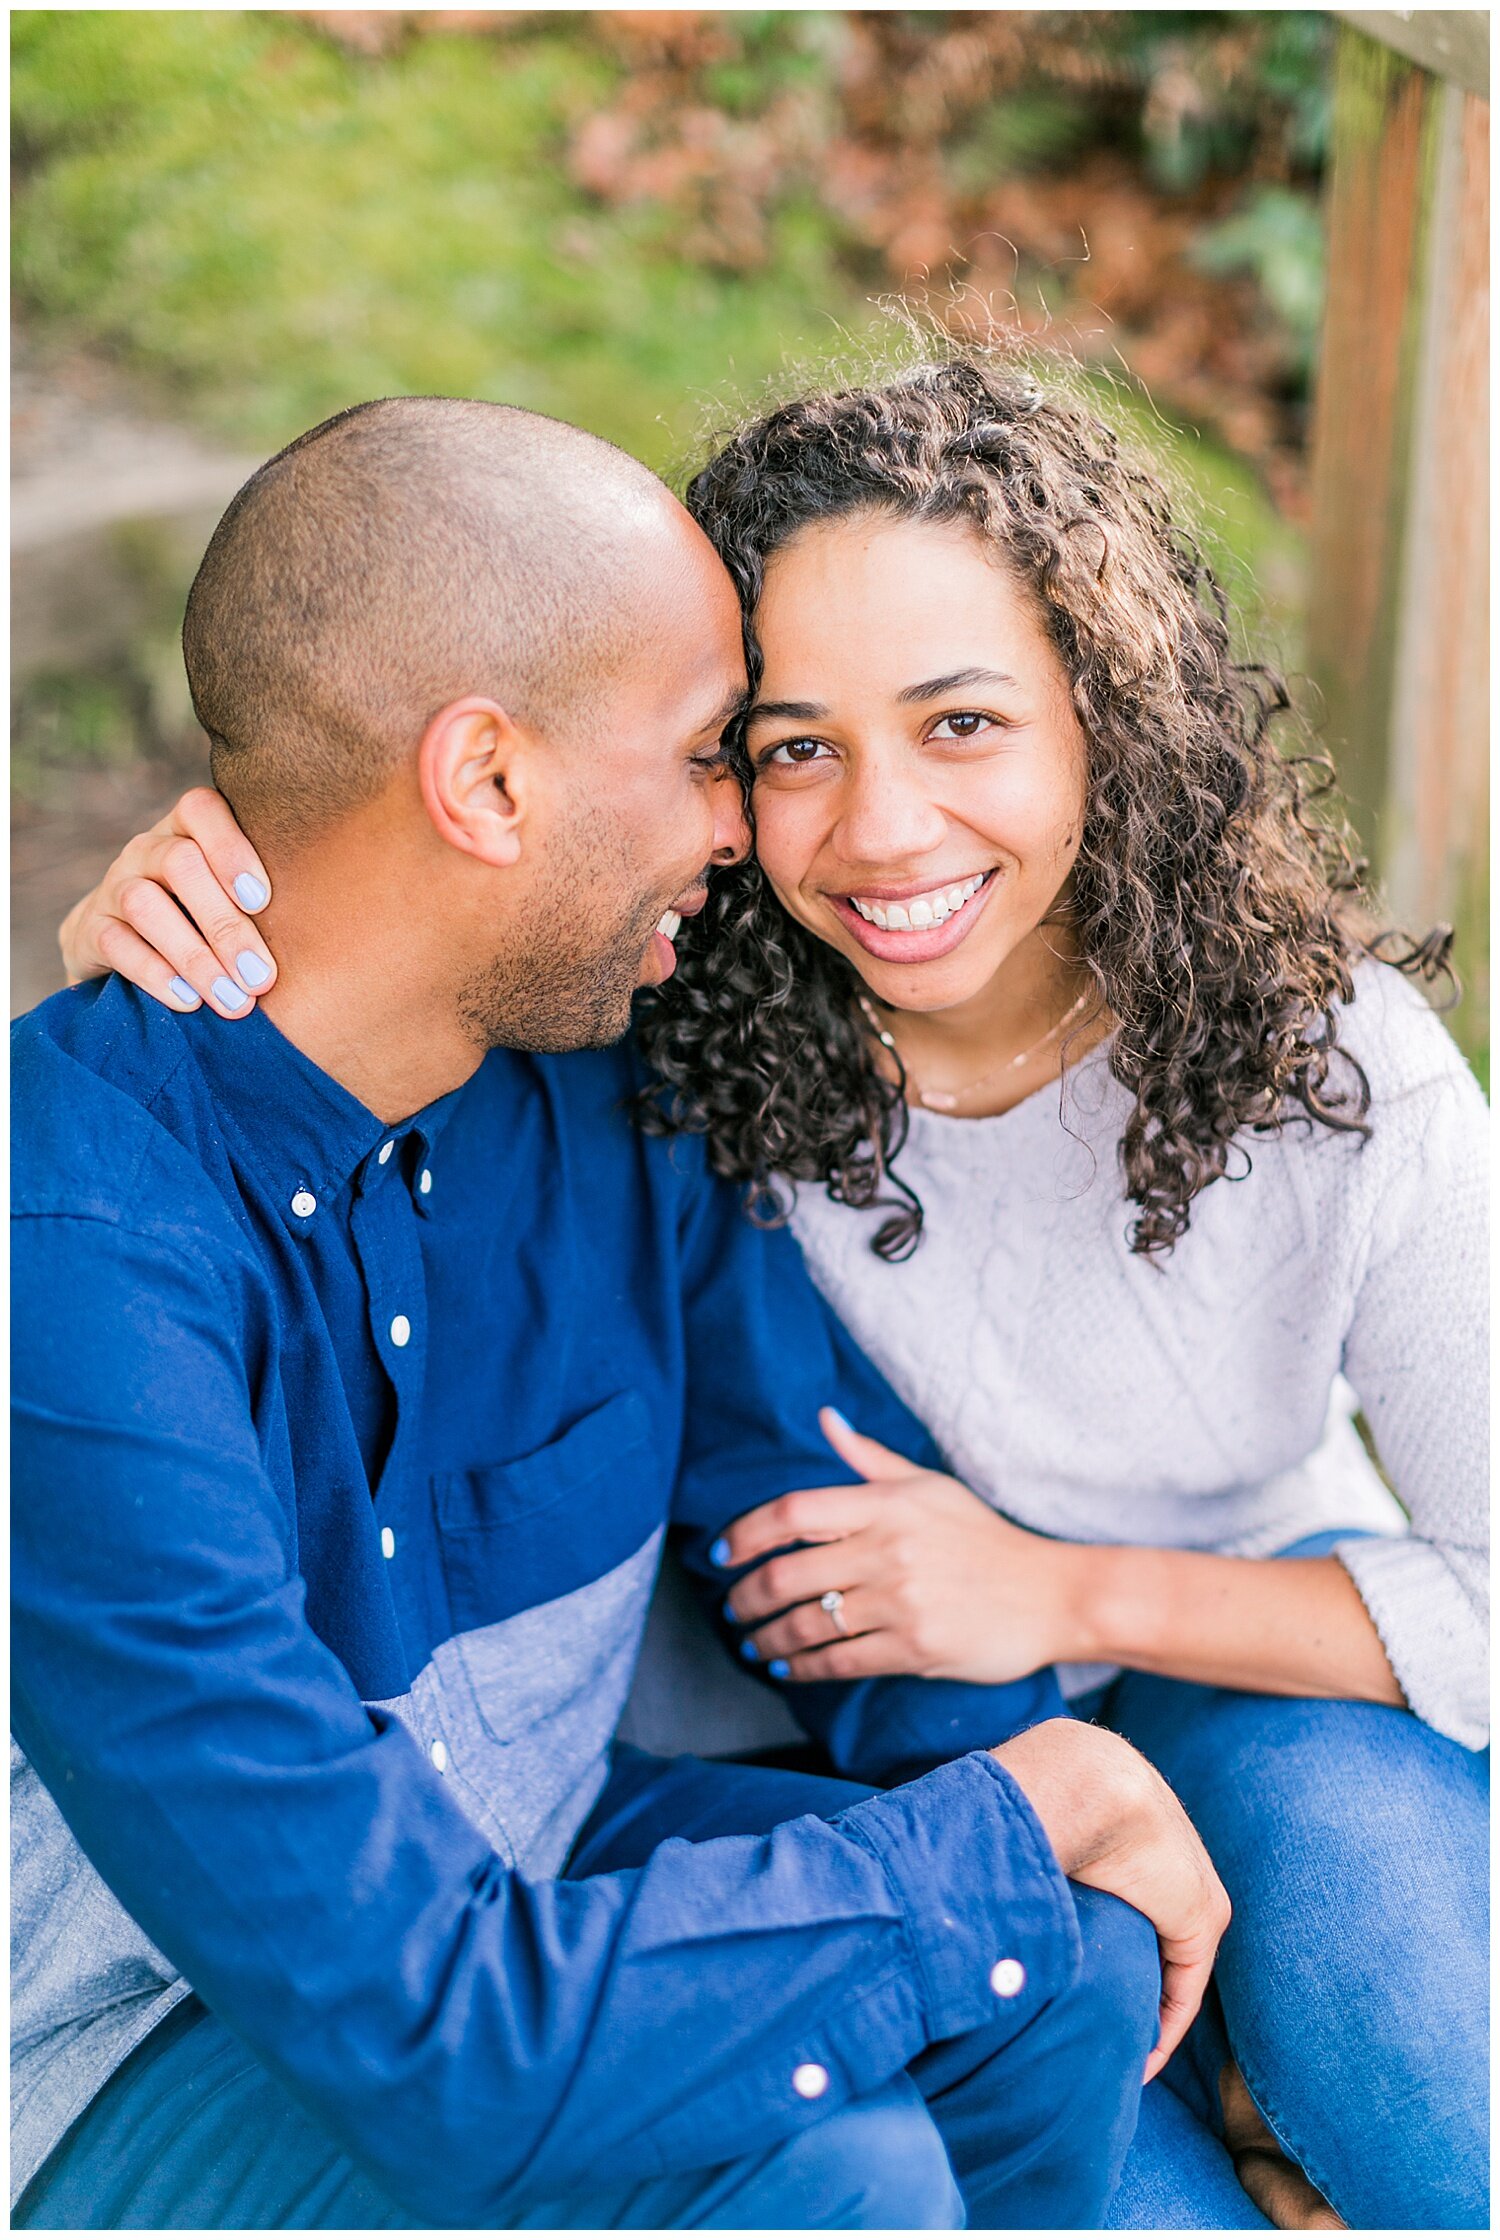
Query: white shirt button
(386, 1149)
(400, 1331)
(438, 1752)
(810, 2080)
(1007, 1977)
(425, 1184)
(387, 1542)
(304, 1205)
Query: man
(357, 1375)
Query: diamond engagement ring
(833, 1603)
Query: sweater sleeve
(1417, 1356)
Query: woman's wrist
(1112, 1596)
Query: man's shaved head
(405, 555)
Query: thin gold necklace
(947, 1100)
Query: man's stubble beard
(566, 980)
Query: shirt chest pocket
(541, 1557)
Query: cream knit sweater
(1207, 1402)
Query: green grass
(272, 229)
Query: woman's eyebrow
(792, 711)
(958, 681)
(809, 711)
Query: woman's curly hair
(1217, 909)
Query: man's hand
(173, 913)
(1114, 1824)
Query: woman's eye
(969, 724)
(793, 753)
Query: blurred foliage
(605, 214)
(272, 227)
(129, 703)
(71, 719)
(1278, 238)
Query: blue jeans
(1353, 1981)
(1015, 2125)
(1035, 2123)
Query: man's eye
(969, 724)
(793, 753)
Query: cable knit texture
(1207, 1401)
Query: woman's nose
(888, 817)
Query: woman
(1135, 1152)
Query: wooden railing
(1400, 588)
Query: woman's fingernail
(251, 969)
(729, 1614)
(249, 892)
(188, 997)
(779, 1669)
(225, 992)
(719, 1554)
(839, 1418)
(750, 1653)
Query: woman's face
(917, 759)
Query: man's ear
(472, 764)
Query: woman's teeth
(921, 910)
(670, 924)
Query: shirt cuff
(988, 1908)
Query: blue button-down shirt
(343, 1456)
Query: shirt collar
(304, 1135)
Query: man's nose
(731, 825)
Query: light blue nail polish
(750, 1653)
(719, 1553)
(225, 992)
(840, 1418)
(178, 987)
(779, 1669)
(729, 1614)
(250, 893)
(251, 969)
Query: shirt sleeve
(765, 1353)
(451, 2025)
(1417, 1355)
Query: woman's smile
(912, 924)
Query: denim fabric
(192, 2134)
(1353, 1842)
(1031, 2113)
(1035, 2119)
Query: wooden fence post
(1399, 608)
